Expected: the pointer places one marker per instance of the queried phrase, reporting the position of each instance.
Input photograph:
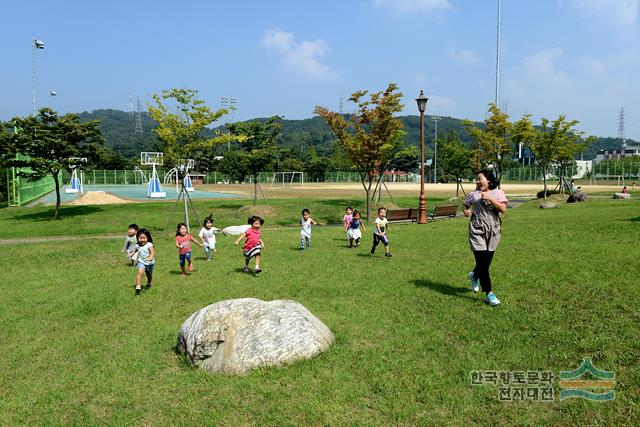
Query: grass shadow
(636, 219)
(443, 288)
(65, 212)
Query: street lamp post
(422, 207)
(35, 45)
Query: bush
(541, 195)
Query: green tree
(183, 121)
(257, 139)
(493, 141)
(41, 145)
(372, 135)
(454, 158)
(233, 166)
(553, 143)
(406, 159)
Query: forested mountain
(297, 135)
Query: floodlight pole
(35, 45)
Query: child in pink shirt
(183, 243)
(253, 244)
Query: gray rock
(622, 196)
(235, 336)
(548, 205)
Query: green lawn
(80, 348)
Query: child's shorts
(184, 257)
(253, 252)
(380, 239)
(148, 268)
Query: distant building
(628, 151)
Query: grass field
(79, 348)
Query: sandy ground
(396, 189)
(333, 190)
(98, 198)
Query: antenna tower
(621, 133)
(131, 107)
(341, 105)
(138, 129)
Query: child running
(346, 220)
(253, 244)
(305, 229)
(145, 255)
(130, 242)
(354, 232)
(208, 237)
(183, 243)
(380, 233)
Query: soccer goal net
(288, 179)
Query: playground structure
(153, 158)
(76, 183)
(173, 175)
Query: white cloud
(464, 56)
(303, 57)
(407, 6)
(541, 67)
(616, 12)
(440, 104)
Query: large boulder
(549, 205)
(621, 196)
(235, 336)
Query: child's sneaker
(138, 289)
(475, 285)
(183, 274)
(257, 271)
(246, 269)
(148, 286)
(492, 299)
(373, 251)
(388, 254)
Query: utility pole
(435, 152)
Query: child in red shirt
(253, 244)
(183, 243)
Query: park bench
(444, 211)
(409, 214)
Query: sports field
(80, 348)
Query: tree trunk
(367, 190)
(544, 180)
(255, 190)
(57, 182)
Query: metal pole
(497, 100)
(435, 153)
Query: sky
(580, 58)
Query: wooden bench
(410, 214)
(449, 211)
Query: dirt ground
(327, 190)
(334, 190)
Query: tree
(553, 143)
(407, 159)
(233, 166)
(42, 145)
(257, 139)
(372, 135)
(183, 120)
(454, 158)
(493, 142)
